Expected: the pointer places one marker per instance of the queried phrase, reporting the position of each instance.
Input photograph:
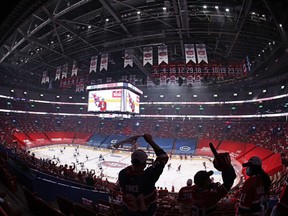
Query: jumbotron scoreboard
(114, 98)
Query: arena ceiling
(38, 36)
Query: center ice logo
(114, 164)
(185, 148)
(114, 141)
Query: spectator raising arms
(205, 193)
(255, 191)
(138, 184)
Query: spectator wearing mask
(255, 191)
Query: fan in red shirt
(281, 208)
(205, 193)
(185, 199)
(255, 191)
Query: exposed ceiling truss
(61, 31)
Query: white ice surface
(115, 161)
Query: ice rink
(86, 157)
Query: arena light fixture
(58, 96)
(83, 98)
(205, 6)
(107, 19)
(138, 12)
(280, 25)
(235, 94)
(282, 87)
(216, 7)
(195, 96)
(41, 95)
(178, 96)
(250, 93)
(264, 91)
(70, 97)
(227, 10)
(161, 96)
(145, 96)
(12, 90)
(164, 8)
(215, 95)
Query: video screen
(114, 98)
(131, 102)
(109, 100)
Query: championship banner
(147, 55)
(198, 81)
(93, 64)
(190, 53)
(47, 78)
(104, 61)
(173, 79)
(149, 82)
(162, 54)
(163, 79)
(74, 68)
(58, 73)
(64, 71)
(190, 80)
(108, 79)
(128, 59)
(99, 81)
(132, 79)
(43, 80)
(124, 78)
(201, 53)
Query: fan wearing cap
(205, 193)
(255, 191)
(137, 184)
(185, 199)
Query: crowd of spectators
(167, 201)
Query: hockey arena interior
(79, 76)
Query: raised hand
(221, 161)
